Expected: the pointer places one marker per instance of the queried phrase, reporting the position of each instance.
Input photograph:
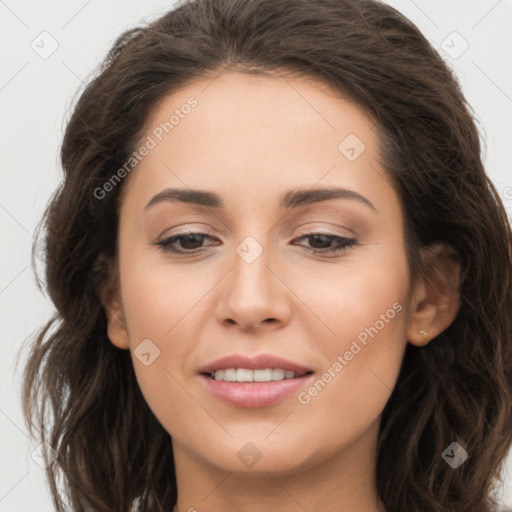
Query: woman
(271, 262)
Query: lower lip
(254, 394)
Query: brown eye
(190, 243)
(322, 242)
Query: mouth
(248, 375)
(254, 382)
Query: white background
(35, 99)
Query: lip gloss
(254, 394)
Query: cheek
(366, 310)
(158, 302)
(353, 295)
(158, 297)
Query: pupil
(195, 239)
(316, 237)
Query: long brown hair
(80, 391)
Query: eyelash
(343, 243)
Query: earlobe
(436, 298)
(111, 302)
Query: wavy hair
(80, 392)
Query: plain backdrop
(48, 49)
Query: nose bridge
(254, 251)
(251, 276)
(253, 293)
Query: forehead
(235, 106)
(252, 134)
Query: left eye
(341, 242)
(191, 243)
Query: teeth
(229, 375)
(277, 374)
(262, 375)
(245, 375)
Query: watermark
(351, 147)
(249, 249)
(454, 45)
(44, 455)
(150, 143)
(45, 45)
(249, 455)
(454, 455)
(147, 352)
(304, 397)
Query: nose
(254, 296)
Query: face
(265, 267)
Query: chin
(260, 458)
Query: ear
(116, 326)
(111, 301)
(435, 300)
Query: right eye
(190, 242)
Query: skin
(251, 139)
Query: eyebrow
(291, 199)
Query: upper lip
(259, 362)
